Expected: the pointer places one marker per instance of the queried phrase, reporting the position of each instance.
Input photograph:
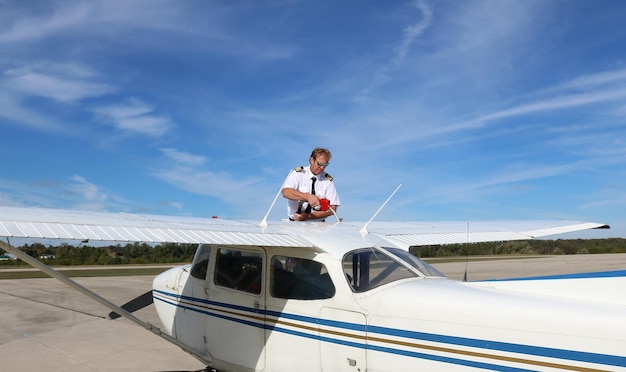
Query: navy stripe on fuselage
(564, 354)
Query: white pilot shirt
(300, 179)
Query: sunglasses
(321, 164)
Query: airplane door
(338, 357)
(235, 327)
(189, 320)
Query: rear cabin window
(240, 270)
(299, 279)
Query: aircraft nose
(166, 291)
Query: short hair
(321, 151)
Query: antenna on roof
(467, 257)
(364, 229)
(264, 221)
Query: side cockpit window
(299, 279)
(240, 270)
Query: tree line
(141, 253)
(137, 253)
(525, 247)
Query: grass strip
(83, 273)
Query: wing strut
(205, 358)
(264, 221)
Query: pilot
(310, 191)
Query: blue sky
(481, 109)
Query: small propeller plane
(343, 296)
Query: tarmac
(46, 325)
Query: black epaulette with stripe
(329, 177)
(299, 169)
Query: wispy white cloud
(590, 140)
(13, 112)
(183, 158)
(75, 192)
(151, 125)
(220, 185)
(6, 199)
(414, 124)
(606, 201)
(591, 81)
(59, 82)
(187, 172)
(22, 26)
(409, 35)
(135, 116)
(413, 32)
(91, 196)
(175, 205)
(525, 172)
(555, 103)
(212, 25)
(19, 193)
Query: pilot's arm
(322, 214)
(313, 200)
(293, 194)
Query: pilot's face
(318, 165)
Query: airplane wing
(407, 234)
(41, 223)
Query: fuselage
(376, 309)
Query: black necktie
(308, 207)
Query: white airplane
(340, 296)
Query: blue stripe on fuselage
(563, 354)
(602, 274)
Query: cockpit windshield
(414, 261)
(368, 268)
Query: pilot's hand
(314, 201)
(301, 216)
